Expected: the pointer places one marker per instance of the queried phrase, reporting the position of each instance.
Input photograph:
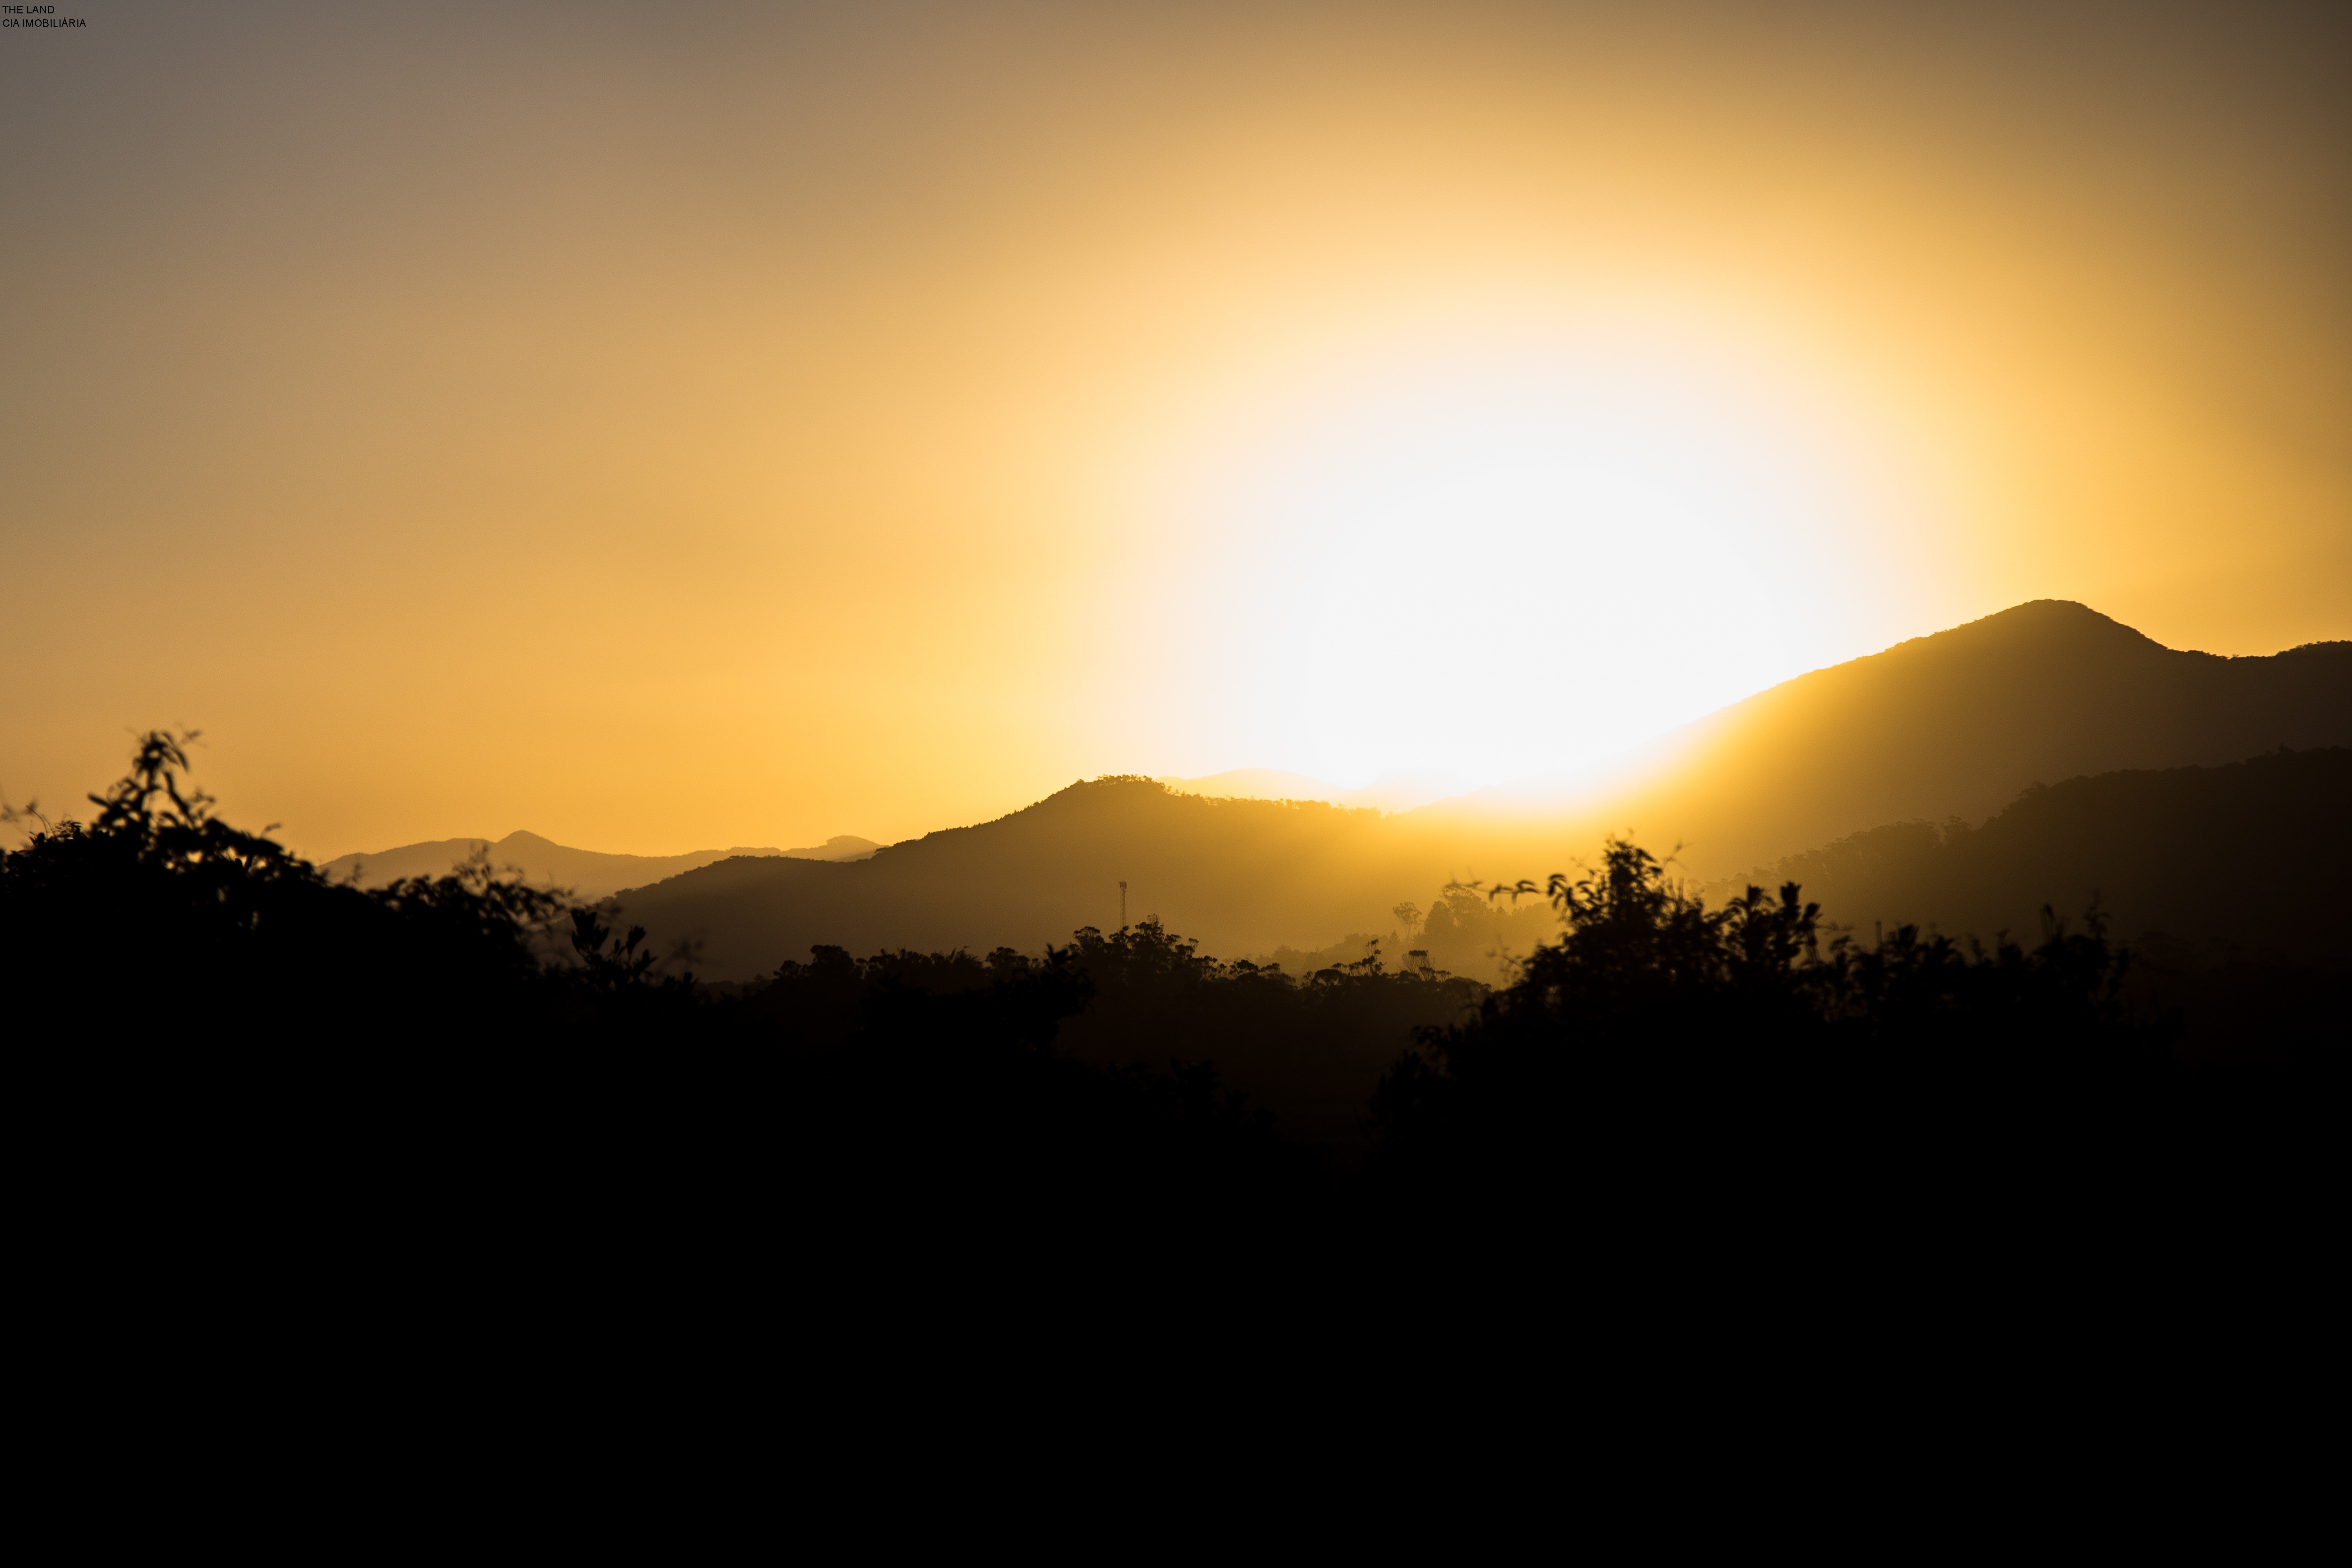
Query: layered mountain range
(1953, 724)
(584, 874)
(1950, 726)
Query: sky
(665, 428)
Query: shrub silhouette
(159, 918)
(1737, 1084)
(185, 997)
(222, 1042)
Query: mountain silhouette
(1953, 725)
(1239, 874)
(588, 873)
(2254, 855)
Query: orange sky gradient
(749, 424)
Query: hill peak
(2054, 623)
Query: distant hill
(589, 874)
(1952, 724)
(1241, 875)
(2256, 855)
(1949, 726)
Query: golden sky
(661, 428)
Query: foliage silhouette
(230, 1045)
(189, 997)
(1726, 1083)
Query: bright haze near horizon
(752, 423)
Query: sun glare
(1495, 564)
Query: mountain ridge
(1954, 724)
(1400, 791)
(2162, 853)
(588, 873)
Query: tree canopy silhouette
(212, 1027)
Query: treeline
(199, 1014)
(1770, 1083)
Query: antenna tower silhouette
(1122, 906)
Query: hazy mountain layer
(1241, 876)
(1949, 726)
(589, 874)
(2256, 855)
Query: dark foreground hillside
(238, 1076)
(2247, 861)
